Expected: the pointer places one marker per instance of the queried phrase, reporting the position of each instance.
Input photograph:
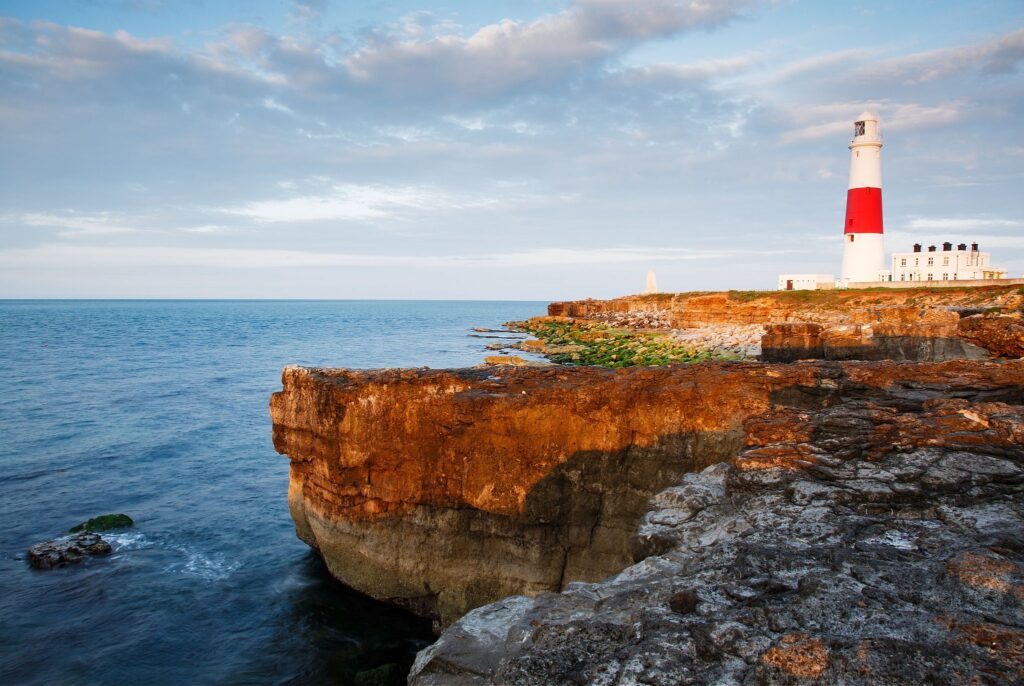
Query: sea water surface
(158, 409)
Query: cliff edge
(443, 490)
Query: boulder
(1002, 336)
(67, 550)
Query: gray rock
(898, 563)
(67, 550)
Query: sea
(159, 410)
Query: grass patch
(601, 345)
(745, 296)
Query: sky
(513, 149)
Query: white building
(806, 282)
(947, 264)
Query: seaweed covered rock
(107, 522)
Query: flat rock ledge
(873, 541)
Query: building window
(916, 261)
(903, 262)
(954, 276)
(931, 261)
(851, 238)
(930, 277)
(945, 277)
(945, 261)
(903, 277)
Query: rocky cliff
(869, 529)
(901, 324)
(443, 490)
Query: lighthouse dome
(867, 116)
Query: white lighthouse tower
(863, 242)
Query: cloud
(961, 224)
(308, 10)
(65, 256)
(838, 118)
(354, 202)
(275, 106)
(675, 75)
(77, 224)
(828, 62)
(1001, 55)
(510, 54)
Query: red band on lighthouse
(863, 210)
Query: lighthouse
(863, 243)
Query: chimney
(974, 247)
(931, 248)
(962, 246)
(917, 247)
(946, 247)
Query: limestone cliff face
(445, 490)
(870, 530)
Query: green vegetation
(745, 296)
(601, 345)
(104, 523)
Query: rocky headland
(783, 326)
(629, 516)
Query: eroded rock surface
(67, 550)
(870, 534)
(1003, 336)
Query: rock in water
(65, 551)
(104, 523)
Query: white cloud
(961, 224)
(509, 53)
(275, 106)
(827, 62)
(77, 224)
(835, 119)
(683, 74)
(66, 256)
(996, 56)
(353, 202)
